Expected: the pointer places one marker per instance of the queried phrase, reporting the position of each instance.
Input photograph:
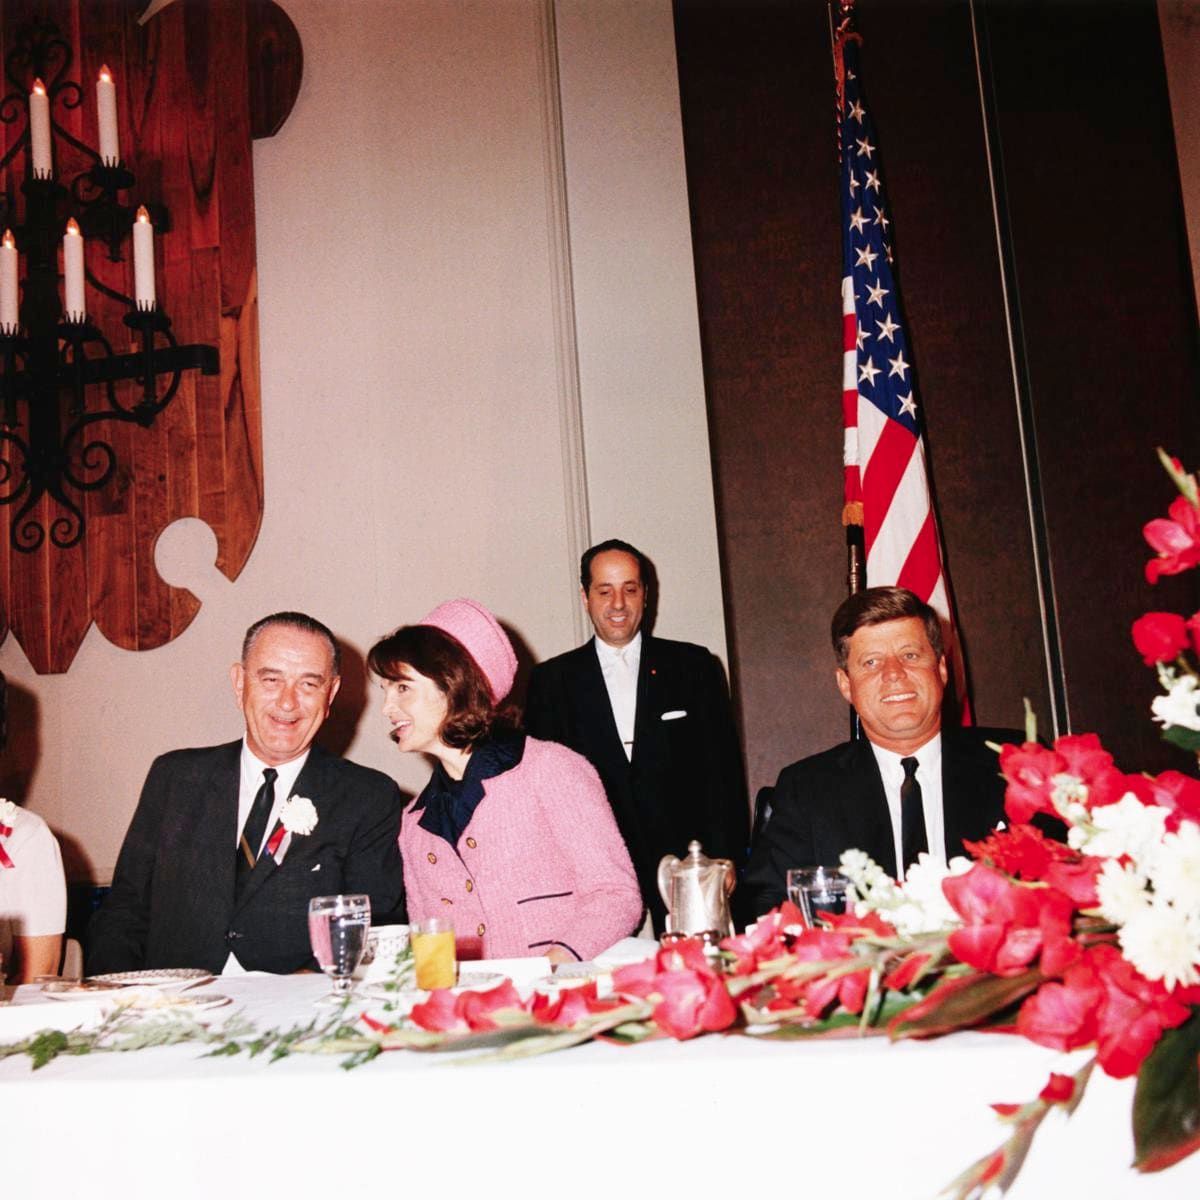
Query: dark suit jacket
(685, 780)
(834, 801)
(172, 899)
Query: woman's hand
(556, 955)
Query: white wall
(427, 397)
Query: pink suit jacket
(541, 864)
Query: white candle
(106, 106)
(39, 130)
(73, 270)
(143, 260)
(9, 317)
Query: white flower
(1180, 706)
(8, 810)
(1175, 872)
(916, 906)
(1127, 827)
(299, 815)
(1163, 943)
(1122, 892)
(1069, 792)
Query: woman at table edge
(512, 838)
(33, 893)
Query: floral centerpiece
(1084, 936)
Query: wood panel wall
(184, 121)
(758, 111)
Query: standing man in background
(652, 716)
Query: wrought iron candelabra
(59, 369)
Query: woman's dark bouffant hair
(471, 714)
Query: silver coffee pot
(696, 891)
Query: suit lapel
(310, 783)
(216, 830)
(872, 831)
(959, 783)
(647, 710)
(596, 710)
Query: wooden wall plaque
(184, 87)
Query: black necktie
(912, 815)
(256, 825)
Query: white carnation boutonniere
(8, 810)
(299, 815)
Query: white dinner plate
(161, 977)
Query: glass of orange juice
(432, 941)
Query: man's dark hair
(873, 606)
(585, 562)
(293, 620)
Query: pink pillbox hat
(479, 633)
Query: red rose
(1102, 998)
(689, 996)
(1160, 637)
(765, 941)
(1063, 1015)
(1029, 770)
(1089, 762)
(1133, 1015)
(445, 1012)
(1193, 628)
(1008, 925)
(1076, 880)
(1176, 541)
(571, 1005)
(1179, 794)
(1022, 851)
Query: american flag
(884, 449)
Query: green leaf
(46, 1047)
(1166, 1104)
(1183, 481)
(963, 1002)
(1181, 736)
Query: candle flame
(39, 87)
(105, 75)
(9, 242)
(72, 228)
(142, 215)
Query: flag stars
(908, 406)
(898, 365)
(860, 337)
(865, 149)
(857, 220)
(873, 181)
(887, 327)
(876, 294)
(856, 111)
(853, 185)
(866, 258)
(880, 219)
(867, 373)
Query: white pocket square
(316, 868)
(674, 714)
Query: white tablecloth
(846, 1118)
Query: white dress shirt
(33, 896)
(619, 666)
(929, 776)
(251, 780)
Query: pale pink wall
(413, 349)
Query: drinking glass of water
(337, 929)
(817, 889)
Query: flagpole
(852, 511)
(1060, 717)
